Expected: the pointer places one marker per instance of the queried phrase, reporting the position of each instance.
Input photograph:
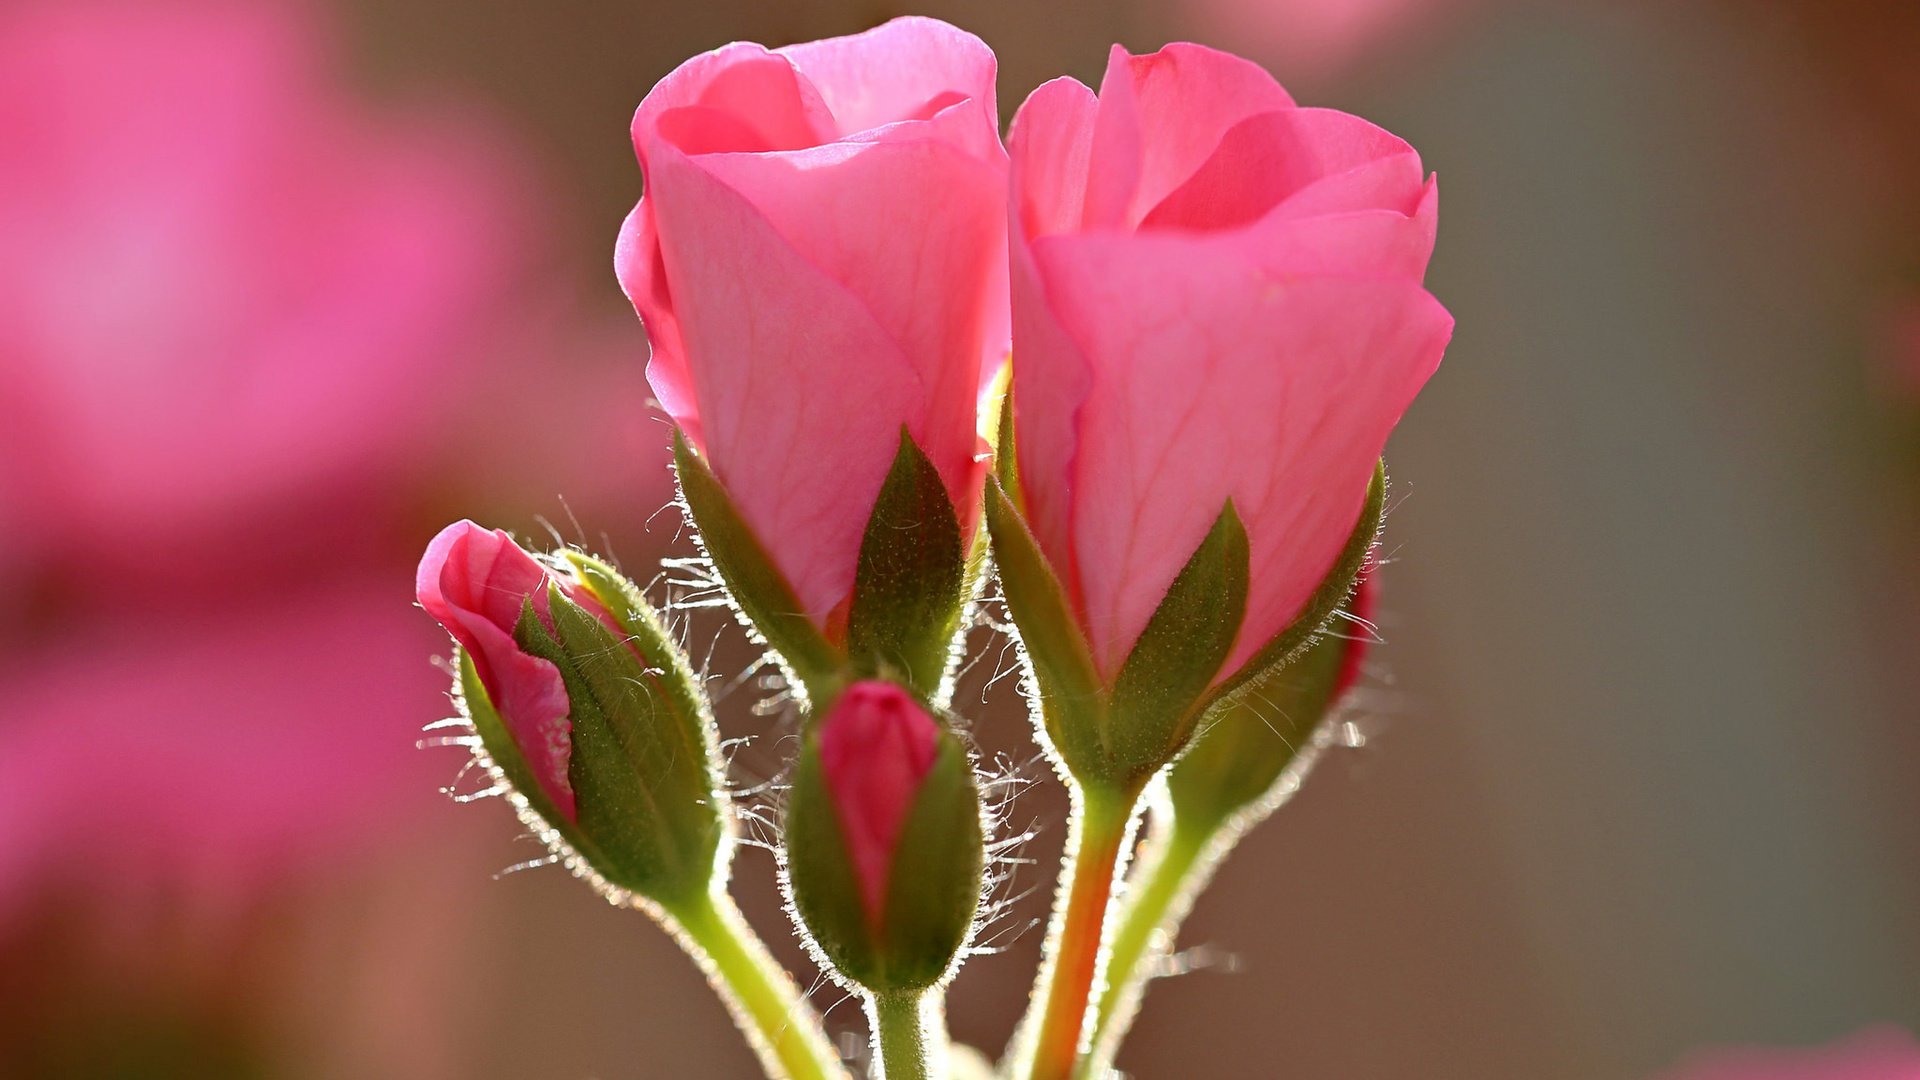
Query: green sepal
(1156, 698)
(648, 637)
(760, 590)
(908, 590)
(1334, 591)
(1072, 700)
(819, 875)
(938, 864)
(933, 894)
(641, 769)
(1246, 743)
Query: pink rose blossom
(1217, 294)
(1885, 1053)
(476, 582)
(820, 259)
(876, 746)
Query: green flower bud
(884, 843)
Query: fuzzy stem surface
(1102, 831)
(909, 1036)
(1175, 865)
(783, 1029)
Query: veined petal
(1161, 117)
(802, 391)
(748, 99)
(1357, 243)
(1264, 159)
(894, 70)
(1212, 379)
(859, 214)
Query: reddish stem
(1099, 845)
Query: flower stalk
(1058, 1019)
(1255, 752)
(1173, 868)
(783, 1029)
(909, 1034)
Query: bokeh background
(285, 286)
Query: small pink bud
(475, 582)
(876, 746)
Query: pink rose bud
(1217, 296)
(585, 707)
(1885, 1053)
(820, 261)
(884, 843)
(876, 745)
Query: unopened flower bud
(1203, 386)
(585, 709)
(820, 261)
(884, 840)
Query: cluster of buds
(1213, 299)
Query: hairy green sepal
(641, 763)
(646, 635)
(1072, 701)
(1334, 591)
(909, 589)
(1117, 735)
(1154, 701)
(1246, 743)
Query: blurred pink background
(285, 287)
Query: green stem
(908, 1035)
(1056, 1023)
(1174, 867)
(769, 1009)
